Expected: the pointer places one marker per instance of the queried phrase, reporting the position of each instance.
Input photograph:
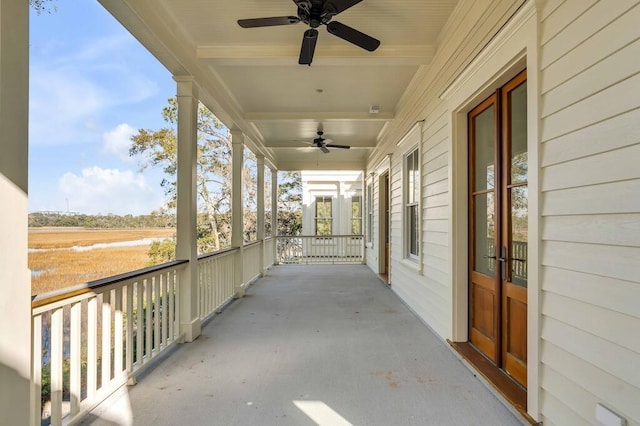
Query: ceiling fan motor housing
(315, 12)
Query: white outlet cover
(607, 417)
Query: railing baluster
(148, 322)
(118, 338)
(92, 346)
(129, 334)
(201, 292)
(208, 284)
(106, 339)
(171, 306)
(57, 341)
(140, 330)
(165, 309)
(75, 360)
(36, 394)
(157, 283)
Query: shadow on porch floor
(310, 345)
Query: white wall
(584, 137)
(590, 121)
(341, 186)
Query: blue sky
(91, 86)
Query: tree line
(153, 220)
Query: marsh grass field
(63, 257)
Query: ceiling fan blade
(268, 22)
(352, 35)
(324, 149)
(339, 146)
(308, 46)
(336, 6)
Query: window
(356, 215)
(370, 212)
(324, 219)
(412, 201)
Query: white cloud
(118, 141)
(99, 190)
(71, 94)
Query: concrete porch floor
(310, 345)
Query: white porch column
(260, 221)
(274, 214)
(187, 247)
(237, 208)
(15, 286)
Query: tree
(158, 148)
(289, 203)
(43, 6)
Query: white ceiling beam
(260, 55)
(304, 146)
(328, 164)
(337, 116)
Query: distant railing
(312, 249)
(518, 260)
(216, 278)
(89, 340)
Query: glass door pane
(484, 150)
(483, 190)
(517, 201)
(484, 233)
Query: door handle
(501, 259)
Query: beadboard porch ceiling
(250, 78)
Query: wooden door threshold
(384, 278)
(512, 392)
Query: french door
(498, 218)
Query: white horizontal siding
(598, 383)
(590, 254)
(611, 229)
(618, 262)
(557, 15)
(620, 295)
(613, 166)
(596, 43)
(597, 138)
(594, 79)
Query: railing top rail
(252, 243)
(217, 253)
(69, 292)
(322, 236)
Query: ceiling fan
(325, 144)
(315, 13)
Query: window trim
(414, 154)
(369, 213)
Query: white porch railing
(269, 251)
(215, 281)
(310, 249)
(88, 341)
(251, 261)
